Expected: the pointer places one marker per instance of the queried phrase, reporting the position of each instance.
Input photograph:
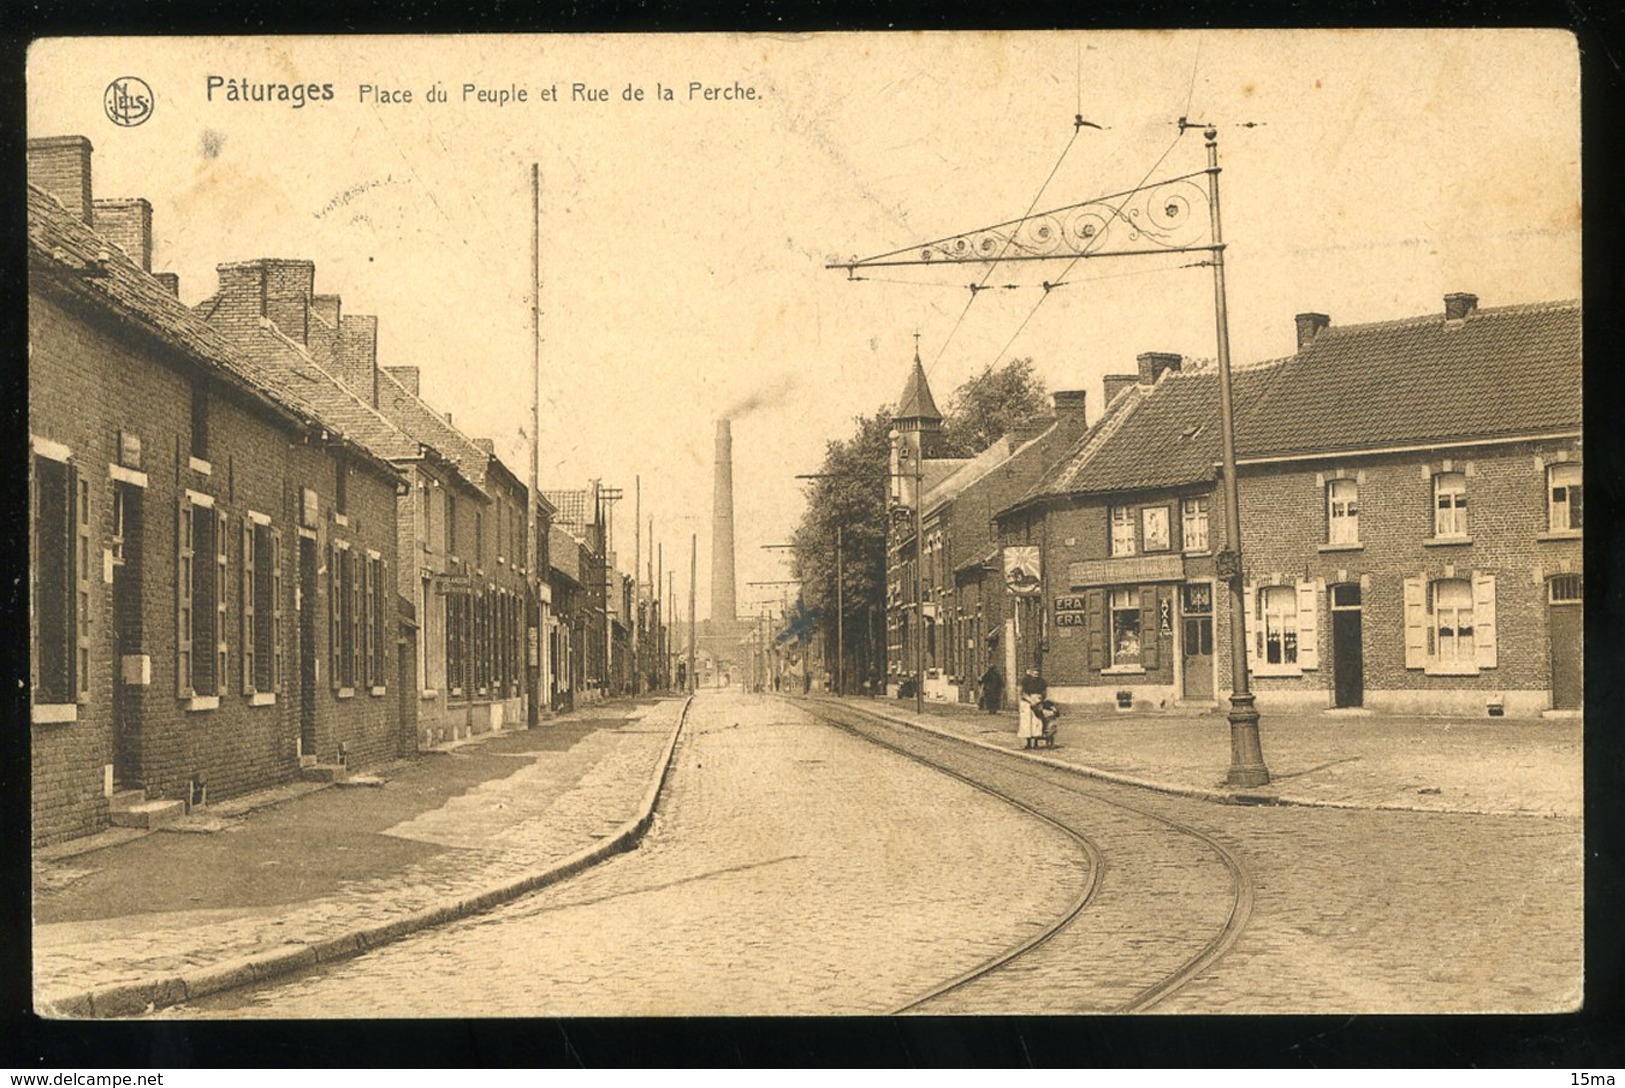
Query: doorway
(1348, 648)
(1565, 625)
(306, 603)
(1196, 641)
(126, 594)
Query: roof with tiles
(261, 360)
(409, 412)
(1502, 372)
(572, 507)
(978, 467)
(1165, 435)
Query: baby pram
(1048, 714)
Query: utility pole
(1155, 218)
(535, 657)
(637, 568)
(840, 614)
(693, 572)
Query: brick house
(193, 634)
(1431, 557)
(972, 623)
(1125, 527)
(579, 576)
(1396, 556)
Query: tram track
(1163, 903)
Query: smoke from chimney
(724, 602)
(765, 395)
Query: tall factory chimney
(724, 605)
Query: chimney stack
(60, 165)
(323, 340)
(1070, 404)
(355, 363)
(1309, 327)
(269, 287)
(171, 282)
(127, 224)
(724, 603)
(408, 376)
(1116, 383)
(1153, 364)
(1460, 306)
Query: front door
(1566, 631)
(1348, 650)
(307, 646)
(126, 554)
(1196, 641)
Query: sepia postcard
(832, 524)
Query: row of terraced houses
(1412, 513)
(257, 554)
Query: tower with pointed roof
(916, 428)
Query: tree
(989, 405)
(852, 496)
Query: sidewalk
(291, 877)
(1500, 766)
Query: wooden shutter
(363, 618)
(1150, 631)
(79, 497)
(1308, 626)
(276, 611)
(1097, 631)
(334, 613)
(385, 596)
(184, 560)
(1484, 620)
(249, 654)
(1416, 622)
(1253, 625)
(222, 538)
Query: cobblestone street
(795, 870)
(798, 870)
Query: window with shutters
(1565, 491)
(1193, 518)
(58, 574)
(1450, 504)
(1122, 530)
(1342, 512)
(1123, 606)
(342, 614)
(1450, 627)
(261, 609)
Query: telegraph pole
(840, 615)
(637, 569)
(693, 573)
(535, 663)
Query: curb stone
(138, 998)
(1223, 797)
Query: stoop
(324, 772)
(130, 808)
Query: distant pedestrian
(872, 685)
(991, 697)
(1030, 726)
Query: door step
(131, 809)
(324, 772)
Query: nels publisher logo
(128, 101)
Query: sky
(1365, 174)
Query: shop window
(1124, 607)
(1122, 530)
(1565, 497)
(1342, 512)
(1193, 519)
(1450, 504)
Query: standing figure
(991, 698)
(1030, 727)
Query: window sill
(344, 693)
(429, 693)
(1445, 541)
(1124, 670)
(379, 690)
(200, 466)
(1277, 672)
(262, 698)
(1355, 547)
(1201, 553)
(203, 702)
(1561, 534)
(54, 713)
(1451, 670)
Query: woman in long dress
(1029, 727)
